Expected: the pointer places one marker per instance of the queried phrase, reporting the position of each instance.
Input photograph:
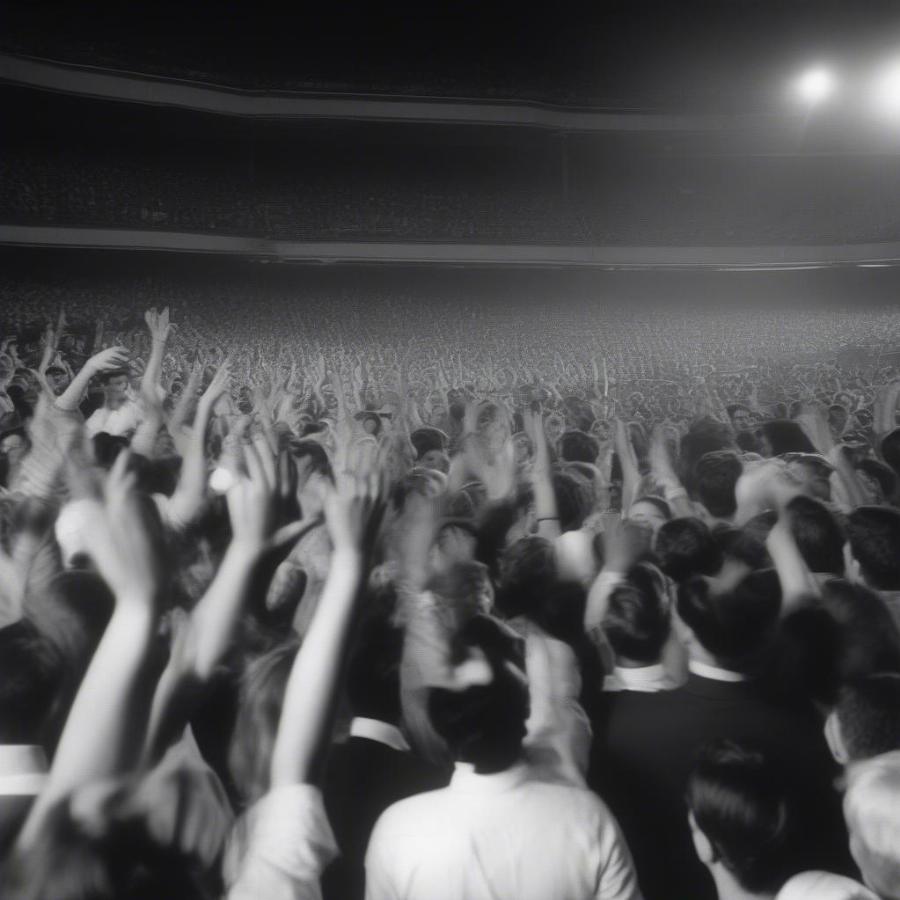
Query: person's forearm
(312, 687)
(105, 727)
(71, 397)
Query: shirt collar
(637, 678)
(376, 730)
(714, 673)
(23, 769)
(467, 781)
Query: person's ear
(835, 739)
(703, 847)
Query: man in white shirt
(119, 415)
(501, 829)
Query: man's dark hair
(576, 446)
(786, 436)
(874, 533)
(715, 475)
(819, 538)
(573, 500)
(32, 672)
(315, 452)
(890, 449)
(734, 626)
(636, 623)
(883, 474)
(484, 724)
(373, 672)
(687, 547)
(868, 710)
(742, 802)
(110, 374)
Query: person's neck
(727, 887)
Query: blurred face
(522, 448)
(649, 514)
(436, 460)
(742, 420)
(554, 426)
(58, 381)
(116, 387)
(13, 447)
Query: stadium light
(815, 85)
(887, 90)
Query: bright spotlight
(887, 90)
(815, 85)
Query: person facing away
(645, 743)
(501, 830)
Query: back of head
(705, 435)
(872, 811)
(373, 672)
(574, 500)
(636, 623)
(741, 803)
(686, 547)
(482, 717)
(715, 475)
(868, 712)
(576, 446)
(785, 436)
(736, 626)
(874, 533)
(32, 674)
(869, 640)
(819, 538)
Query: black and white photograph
(450, 451)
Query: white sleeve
(618, 880)
(290, 845)
(379, 884)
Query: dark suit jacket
(363, 779)
(644, 746)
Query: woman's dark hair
(636, 623)
(686, 547)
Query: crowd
(649, 200)
(392, 599)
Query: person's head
(743, 817)
(686, 547)
(872, 813)
(652, 512)
(102, 842)
(733, 628)
(890, 450)
(370, 422)
(819, 538)
(373, 671)
(877, 478)
(31, 680)
(865, 721)
(259, 710)
(705, 435)
(741, 417)
(58, 379)
(435, 459)
(482, 715)
(13, 447)
(874, 533)
(107, 447)
(715, 475)
(783, 436)
(574, 500)
(463, 589)
(812, 472)
(115, 386)
(837, 418)
(576, 446)
(427, 439)
(636, 623)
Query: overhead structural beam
(453, 254)
(132, 87)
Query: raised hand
(111, 358)
(158, 324)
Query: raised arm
(352, 512)
(546, 509)
(105, 728)
(104, 361)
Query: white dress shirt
(646, 679)
(118, 422)
(824, 886)
(381, 732)
(714, 673)
(508, 836)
